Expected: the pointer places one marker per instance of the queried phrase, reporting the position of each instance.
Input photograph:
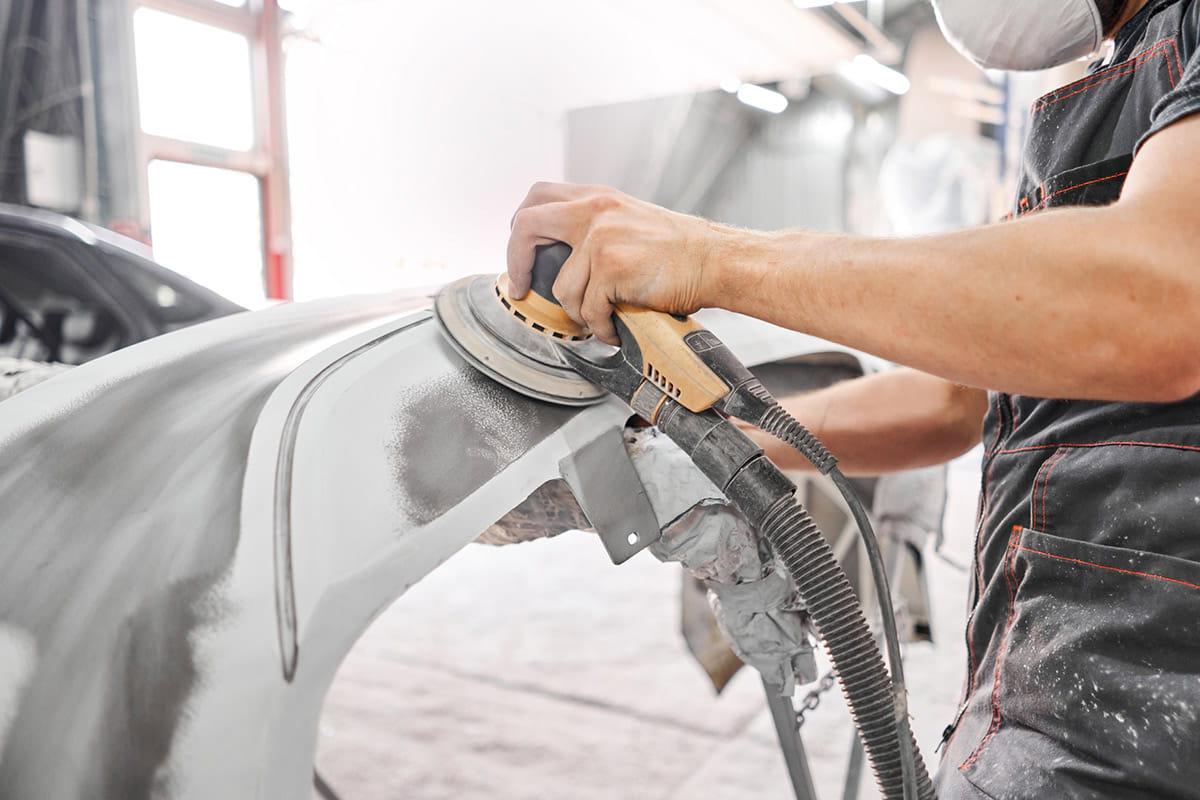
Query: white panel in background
(193, 81)
(207, 225)
(419, 126)
(53, 171)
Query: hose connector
(752, 402)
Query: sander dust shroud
(680, 377)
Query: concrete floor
(542, 671)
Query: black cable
(891, 635)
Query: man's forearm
(896, 420)
(1082, 303)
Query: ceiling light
(865, 69)
(820, 3)
(762, 98)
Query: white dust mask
(1021, 34)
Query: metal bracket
(608, 489)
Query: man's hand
(624, 250)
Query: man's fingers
(553, 222)
(520, 264)
(544, 192)
(572, 283)
(597, 311)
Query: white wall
(416, 127)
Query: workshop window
(209, 78)
(193, 81)
(207, 227)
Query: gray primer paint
(121, 514)
(285, 591)
(112, 591)
(467, 429)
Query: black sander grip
(548, 260)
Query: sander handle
(548, 260)
(676, 353)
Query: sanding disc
(491, 340)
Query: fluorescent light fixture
(820, 3)
(731, 85)
(865, 69)
(762, 98)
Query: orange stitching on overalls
(1036, 492)
(1174, 40)
(1167, 58)
(1045, 199)
(1010, 578)
(1134, 572)
(1163, 445)
(1106, 70)
(983, 510)
(1025, 209)
(1078, 186)
(1052, 464)
(1133, 68)
(1128, 67)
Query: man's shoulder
(1189, 24)
(1191, 19)
(1189, 28)
(1158, 22)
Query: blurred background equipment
(70, 292)
(159, 119)
(938, 184)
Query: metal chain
(813, 698)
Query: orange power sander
(680, 377)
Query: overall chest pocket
(1097, 184)
(1098, 682)
(1083, 135)
(1134, 495)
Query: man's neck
(1130, 12)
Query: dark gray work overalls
(1084, 641)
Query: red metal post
(271, 124)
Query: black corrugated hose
(836, 604)
(835, 611)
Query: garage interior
(169, 165)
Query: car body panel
(197, 529)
